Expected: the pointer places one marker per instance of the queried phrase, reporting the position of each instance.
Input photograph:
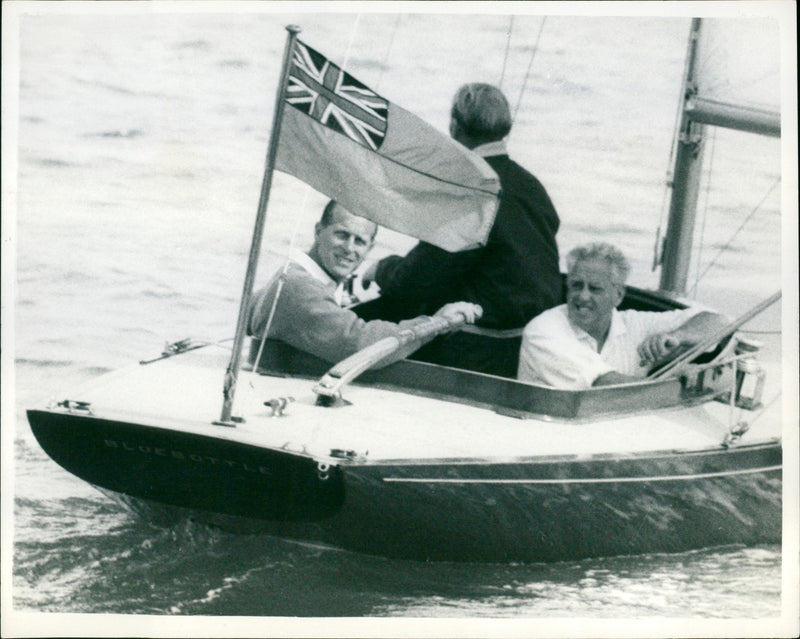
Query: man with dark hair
(588, 342)
(513, 278)
(304, 304)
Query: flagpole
(231, 374)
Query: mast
(685, 182)
(698, 110)
(232, 373)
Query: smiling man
(588, 342)
(305, 305)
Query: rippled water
(141, 143)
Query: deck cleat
(278, 405)
(73, 406)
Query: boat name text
(178, 454)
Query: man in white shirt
(305, 304)
(588, 342)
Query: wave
(96, 370)
(116, 133)
(160, 294)
(234, 63)
(54, 162)
(197, 45)
(24, 361)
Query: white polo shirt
(556, 353)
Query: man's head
(341, 241)
(596, 275)
(480, 114)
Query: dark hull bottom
(188, 470)
(531, 510)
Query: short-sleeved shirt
(554, 352)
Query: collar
(315, 270)
(618, 326)
(616, 329)
(491, 148)
(305, 261)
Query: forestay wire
(704, 213)
(528, 71)
(286, 262)
(508, 47)
(740, 227)
(295, 229)
(385, 62)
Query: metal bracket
(278, 405)
(735, 434)
(73, 406)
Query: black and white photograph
(399, 319)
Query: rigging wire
(740, 227)
(528, 71)
(281, 279)
(385, 62)
(704, 213)
(295, 228)
(670, 163)
(353, 32)
(508, 47)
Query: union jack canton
(334, 98)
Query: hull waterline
(526, 509)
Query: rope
(741, 226)
(528, 72)
(508, 47)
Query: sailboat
(421, 461)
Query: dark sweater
(514, 277)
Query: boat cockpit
(730, 371)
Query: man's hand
(456, 311)
(693, 331)
(368, 274)
(658, 346)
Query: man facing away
(307, 309)
(588, 342)
(513, 278)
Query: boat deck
(378, 422)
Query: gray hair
(604, 252)
(482, 111)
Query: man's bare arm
(691, 332)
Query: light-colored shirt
(491, 149)
(554, 352)
(318, 273)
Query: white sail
(737, 75)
